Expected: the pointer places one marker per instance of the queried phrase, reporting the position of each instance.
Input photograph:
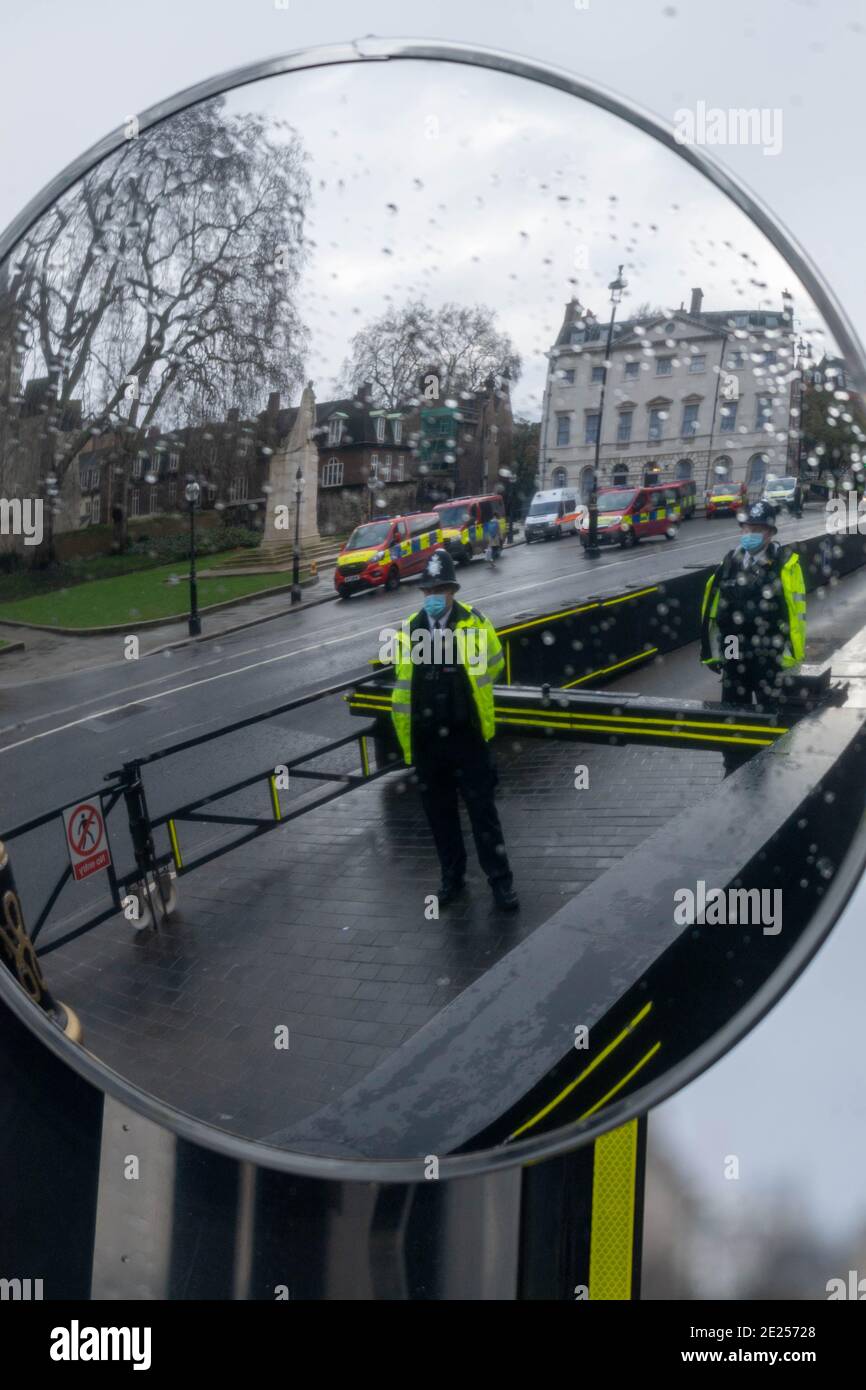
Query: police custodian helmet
(759, 514)
(439, 572)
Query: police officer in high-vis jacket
(753, 617)
(448, 659)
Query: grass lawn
(132, 598)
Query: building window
(597, 375)
(664, 366)
(722, 469)
(684, 468)
(698, 363)
(332, 473)
(656, 423)
(587, 478)
(380, 428)
(397, 431)
(238, 488)
(590, 433)
(96, 509)
(736, 360)
(632, 371)
(173, 461)
(398, 469)
(135, 502)
(559, 477)
(563, 430)
(764, 415)
(138, 465)
(729, 417)
(85, 508)
(623, 428)
(172, 491)
(619, 477)
(152, 500)
(757, 471)
(335, 432)
(690, 420)
(567, 376)
(386, 468)
(374, 465)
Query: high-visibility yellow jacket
(481, 676)
(790, 577)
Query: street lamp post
(52, 492)
(616, 288)
(296, 553)
(192, 492)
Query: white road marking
(301, 651)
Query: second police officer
(753, 617)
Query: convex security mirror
(262, 355)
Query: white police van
(546, 510)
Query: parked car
(726, 499)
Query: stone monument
(301, 452)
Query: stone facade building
(703, 394)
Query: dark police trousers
(462, 762)
(753, 681)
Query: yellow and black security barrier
(610, 719)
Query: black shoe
(448, 890)
(504, 895)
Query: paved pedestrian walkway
(320, 928)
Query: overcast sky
(70, 70)
(496, 190)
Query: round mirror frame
(571, 1137)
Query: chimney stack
(697, 300)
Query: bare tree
(460, 344)
(162, 284)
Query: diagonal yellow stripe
(650, 651)
(619, 1085)
(629, 1027)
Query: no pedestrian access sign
(86, 839)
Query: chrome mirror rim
(571, 1137)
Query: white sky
(72, 69)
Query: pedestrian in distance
(492, 540)
(753, 618)
(443, 714)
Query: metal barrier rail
(151, 875)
